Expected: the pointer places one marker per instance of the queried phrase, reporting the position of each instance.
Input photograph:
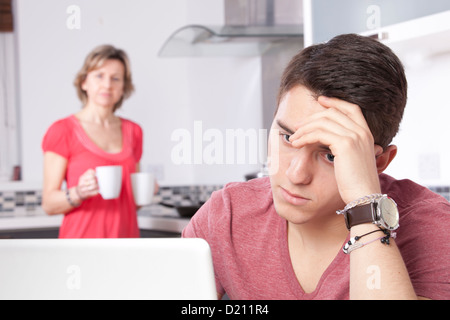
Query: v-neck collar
(93, 147)
(289, 269)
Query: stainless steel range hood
(252, 27)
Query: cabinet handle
(379, 36)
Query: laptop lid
(155, 268)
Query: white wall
(171, 93)
(423, 140)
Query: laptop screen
(157, 268)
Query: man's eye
(329, 157)
(286, 137)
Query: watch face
(388, 213)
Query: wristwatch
(382, 211)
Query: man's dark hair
(357, 69)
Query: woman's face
(104, 86)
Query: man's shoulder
(420, 209)
(248, 193)
(241, 200)
(235, 206)
(408, 194)
(258, 185)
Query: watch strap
(359, 215)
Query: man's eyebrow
(285, 127)
(325, 148)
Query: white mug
(109, 180)
(143, 184)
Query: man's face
(302, 179)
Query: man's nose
(300, 168)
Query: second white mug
(143, 184)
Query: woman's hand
(87, 185)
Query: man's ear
(385, 158)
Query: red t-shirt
(248, 240)
(96, 217)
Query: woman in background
(94, 137)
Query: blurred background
(204, 89)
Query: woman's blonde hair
(95, 60)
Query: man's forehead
(297, 103)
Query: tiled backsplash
(185, 195)
(443, 191)
(20, 203)
(28, 203)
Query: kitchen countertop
(156, 217)
(152, 217)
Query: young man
(340, 105)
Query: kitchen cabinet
(52, 233)
(159, 234)
(325, 19)
(46, 233)
(417, 39)
(154, 222)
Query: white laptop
(155, 268)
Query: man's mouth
(292, 198)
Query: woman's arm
(54, 200)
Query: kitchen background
(50, 39)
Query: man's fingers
(349, 109)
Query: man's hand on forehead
(342, 128)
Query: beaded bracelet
(352, 244)
(360, 201)
(70, 200)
